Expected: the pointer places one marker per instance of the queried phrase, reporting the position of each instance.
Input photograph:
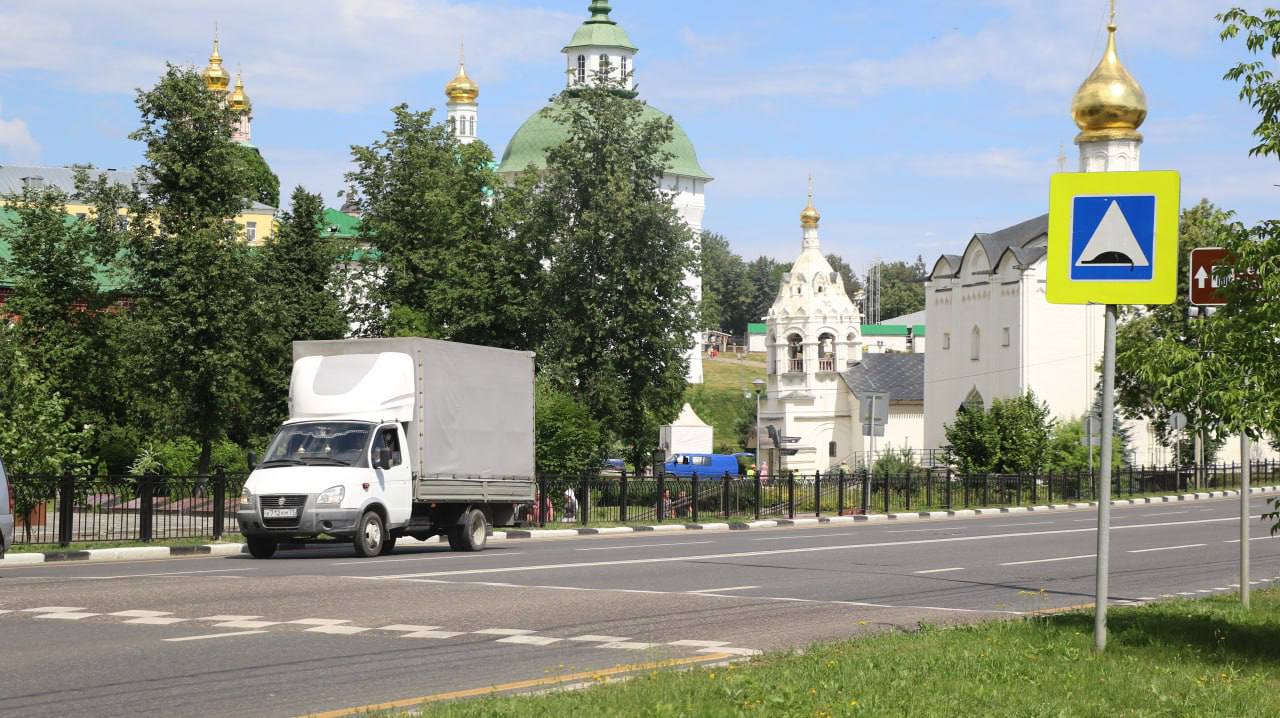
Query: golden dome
(462, 88)
(215, 76)
(1110, 105)
(238, 101)
(810, 217)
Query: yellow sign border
(1064, 188)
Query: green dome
(600, 31)
(539, 134)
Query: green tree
(425, 204)
(852, 285)
(294, 299)
(56, 296)
(726, 292)
(1159, 347)
(974, 439)
(764, 275)
(568, 439)
(620, 318)
(901, 288)
(263, 184)
(185, 263)
(1024, 427)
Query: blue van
(707, 466)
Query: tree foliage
(263, 184)
(568, 439)
(901, 288)
(1012, 437)
(726, 291)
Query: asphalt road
(321, 630)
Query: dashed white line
(1167, 548)
(156, 621)
(246, 624)
(408, 628)
(221, 618)
(721, 590)
(699, 644)
(628, 645)
(1254, 538)
(600, 639)
(433, 634)
(643, 545)
(434, 556)
(68, 616)
(212, 635)
(939, 570)
(316, 622)
(339, 630)
(53, 609)
(1050, 560)
(141, 614)
(504, 631)
(530, 640)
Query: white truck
(395, 437)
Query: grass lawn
(719, 400)
(1199, 658)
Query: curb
(235, 549)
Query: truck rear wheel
(370, 535)
(262, 547)
(471, 534)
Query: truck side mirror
(384, 457)
(253, 460)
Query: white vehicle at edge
(391, 438)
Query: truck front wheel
(471, 534)
(261, 547)
(370, 535)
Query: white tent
(686, 435)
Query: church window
(974, 401)
(623, 61)
(1005, 339)
(604, 64)
(975, 344)
(795, 353)
(582, 69)
(826, 352)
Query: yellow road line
(523, 685)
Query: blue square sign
(1113, 238)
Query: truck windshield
(320, 443)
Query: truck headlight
(331, 496)
(246, 498)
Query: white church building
(599, 45)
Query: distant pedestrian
(666, 503)
(682, 505)
(570, 507)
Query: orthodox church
(599, 45)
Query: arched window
(623, 61)
(472, 133)
(795, 353)
(827, 352)
(605, 65)
(974, 401)
(582, 69)
(975, 344)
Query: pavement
(320, 630)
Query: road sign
(1207, 277)
(1177, 421)
(873, 429)
(1113, 238)
(873, 408)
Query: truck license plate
(279, 513)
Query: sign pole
(1104, 480)
(1244, 519)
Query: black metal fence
(86, 509)
(73, 509)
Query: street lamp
(757, 389)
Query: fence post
(726, 486)
(986, 489)
(695, 497)
(756, 479)
(817, 494)
(622, 501)
(66, 508)
(219, 502)
(791, 494)
(840, 493)
(866, 492)
(146, 498)
(660, 510)
(908, 488)
(544, 501)
(887, 488)
(1035, 488)
(948, 487)
(584, 500)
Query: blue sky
(922, 122)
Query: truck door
(394, 481)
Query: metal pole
(1088, 423)
(1244, 519)
(1104, 480)
(757, 440)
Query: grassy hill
(719, 400)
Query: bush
(568, 439)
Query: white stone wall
(690, 203)
(464, 118)
(618, 59)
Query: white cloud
(329, 54)
(16, 142)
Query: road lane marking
(156, 621)
(53, 609)
(504, 631)
(212, 635)
(1255, 538)
(433, 634)
(600, 639)
(221, 618)
(530, 640)
(317, 622)
(815, 535)
(1167, 548)
(939, 570)
(778, 552)
(526, 685)
(722, 590)
(920, 531)
(699, 644)
(141, 614)
(1169, 513)
(246, 624)
(629, 645)
(435, 556)
(339, 630)
(734, 651)
(407, 628)
(645, 545)
(1049, 560)
(161, 575)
